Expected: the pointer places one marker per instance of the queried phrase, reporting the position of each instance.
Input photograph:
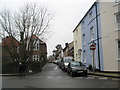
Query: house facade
(77, 43)
(69, 49)
(9, 48)
(39, 51)
(100, 26)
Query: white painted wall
(109, 36)
(77, 42)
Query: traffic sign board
(92, 47)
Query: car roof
(68, 57)
(75, 62)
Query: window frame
(83, 39)
(118, 49)
(36, 57)
(117, 21)
(36, 45)
(90, 15)
(92, 33)
(117, 2)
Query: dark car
(76, 68)
(65, 61)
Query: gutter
(98, 38)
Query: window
(90, 15)
(84, 57)
(92, 33)
(35, 57)
(17, 49)
(117, 1)
(83, 24)
(76, 43)
(36, 45)
(117, 17)
(83, 39)
(119, 49)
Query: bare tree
(31, 20)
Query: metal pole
(93, 60)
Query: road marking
(79, 77)
(89, 78)
(103, 78)
(115, 79)
(49, 77)
(55, 68)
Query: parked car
(65, 61)
(76, 68)
(55, 61)
(58, 62)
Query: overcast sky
(67, 14)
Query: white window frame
(83, 24)
(84, 39)
(118, 49)
(84, 56)
(18, 49)
(117, 21)
(90, 15)
(92, 33)
(36, 45)
(116, 2)
(36, 57)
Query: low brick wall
(13, 67)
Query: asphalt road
(53, 77)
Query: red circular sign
(92, 47)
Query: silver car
(65, 61)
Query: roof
(10, 41)
(35, 37)
(70, 45)
(85, 15)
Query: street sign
(92, 47)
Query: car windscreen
(67, 60)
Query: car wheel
(85, 74)
(71, 73)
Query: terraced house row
(101, 25)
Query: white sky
(67, 14)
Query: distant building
(69, 49)
(10, 47)
(101, 25)
(77, 43)
(39, 51)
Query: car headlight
(73, 69)
(66, 64)
(85, 69)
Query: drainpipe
(98, 37)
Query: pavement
(103, 74)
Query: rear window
(77, 64)
(68, 60)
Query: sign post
(93, 47)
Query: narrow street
(53, 77)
